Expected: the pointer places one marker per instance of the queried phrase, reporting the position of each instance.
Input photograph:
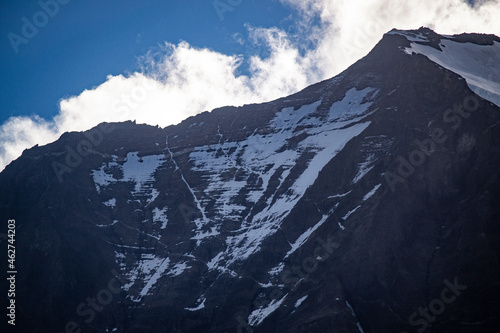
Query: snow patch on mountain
(267, 221)
(213, 262)
(364, 168)
(231, 168)
(339, 195)
(410, 35)
(354, 315)
(110, 203)
(355, 103)
(479, 65)
(159, 215)
(302, 239)
(199, 307)
(178, 269)
(149, 269)
(371, 193)
(101, 177)
(257, 316)
(138, 170)
(155, 276)
(144, 269)
(278, 269)
(300, 300)
(349, 213)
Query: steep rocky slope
(368, 202)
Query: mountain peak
(338, 208)
(475, 57)
(427, 36)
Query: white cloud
(182, 80)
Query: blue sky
(159, 62)
(88, 40)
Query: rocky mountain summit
(369, 202)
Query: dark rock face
(367, 202)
